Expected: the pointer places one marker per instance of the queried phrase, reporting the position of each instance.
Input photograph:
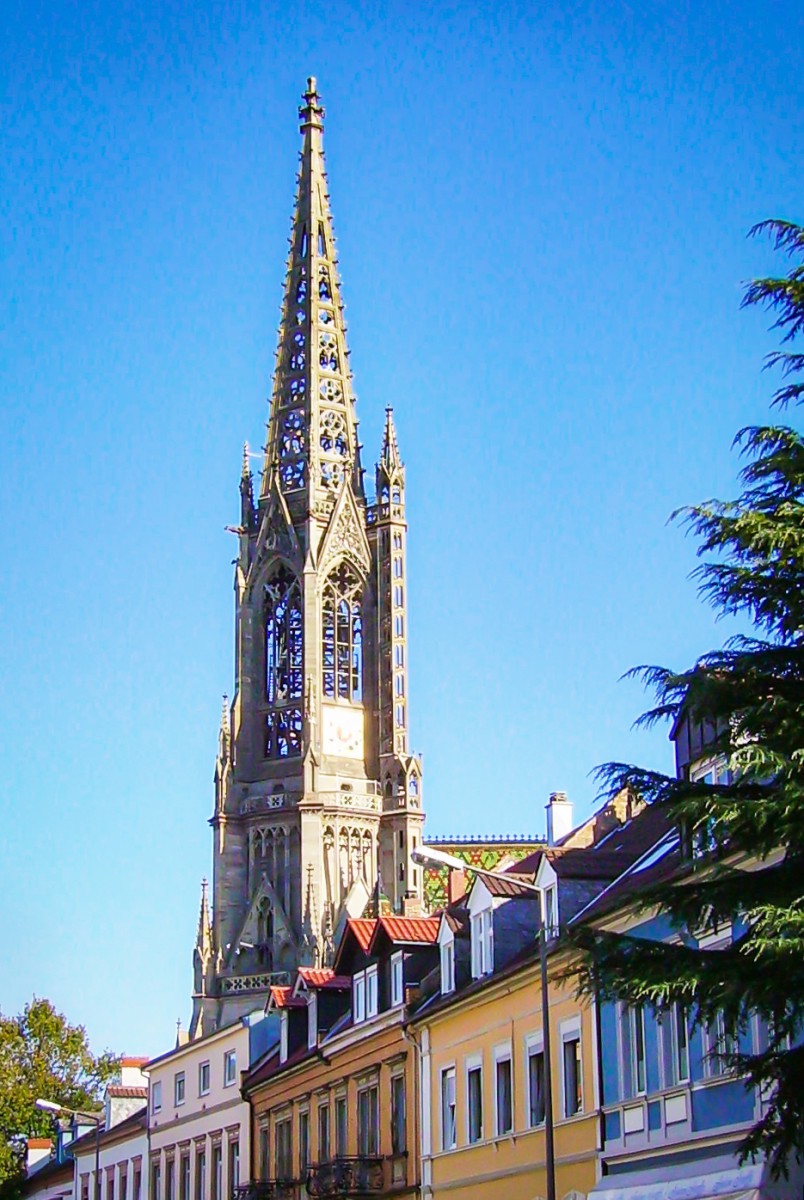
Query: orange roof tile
(282, 997)
(363, 928)
(126, 1091)
(411, 929)
(324, 977)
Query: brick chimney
(456, 885)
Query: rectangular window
(323, 1133)
(399, 1142)
(234, 1166)
(448, 1130)
(200, 1175)
(397, 979)
(156, 1182)
(720, 1043)
(359, 998)
(681, 1046)
(502, 1096)
(110, 1186)
(123, 1185)
(636, 1033)
(84, 1187)
(304, 1143)
(265, 1152)
(536, 1092)
(368, 1121)
(474, 1103)
(216, 1181)
(184, 1177)
(136, 1190)
(283, 1135)
(372, 999)
(448, 967)
(178, 1088)
(571, 1062)
(550, 911)
(340, 1127)
(229, 1068)
(156, 1096)
(482, 943)
(169, 1179)
(203, 1078)
(312, 1020)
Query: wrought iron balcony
(363, 1176)
(269, 1189)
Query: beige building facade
(318, 798)
(198, 1122)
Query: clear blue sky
(541, 211)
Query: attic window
(397, 979)
(283, 1036)
(482, 929)
(447, 967)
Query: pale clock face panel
(342, 730)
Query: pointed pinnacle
(246, 472)
(389, 454)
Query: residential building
(49, 1171)
(197, 1120)
(122, 1142)
(481, 1037)
(335, 1107)
(317, 793)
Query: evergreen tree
(43, 1057)
(749, 695)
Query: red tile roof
(420, 930)
(133, 1062)
(282, 997)
(324, 977)
(362, 928)
(121, 1092)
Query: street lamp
(51, 1107)
(431, 854)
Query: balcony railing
(363, 1176)
(269, 1189)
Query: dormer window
(397, 979)
(372, 996)
(283, 1036)
(312, 1020)
(359, 998)
(447, 950)
(550, 910)
(482, 928)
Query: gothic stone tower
(317, 796)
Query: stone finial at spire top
(389, 455)
(312, 111)
(246, 471)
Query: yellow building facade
(481, 1055)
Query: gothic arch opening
(342, 635)
(284, 665)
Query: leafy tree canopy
(749, 695)
(42, 1056)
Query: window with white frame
(535, 1080)
(229, 1068)
(397, 979)
(359, 997)
(323, 1131)
(283, 1146)
(312, 1020)
(448, 1129)
(283, 1036)
(399, 1143)
(550, 910)
(482, 931)
(632, 1026)
(203, 1078)
(156, 1096)
(368, 1120)
(372, 996)
(474, 1100)
(340, 1126)
(447, 951)
(304, 1142)
(571, 1080)
(673, 1023)
(178, 1088)
(503, 1092)
(720, 1043)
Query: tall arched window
(284, 665)
(343, 636)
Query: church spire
(204, 939)
(389, 455)
(312, 441)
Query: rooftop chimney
(559, 817)
(38, 1153)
